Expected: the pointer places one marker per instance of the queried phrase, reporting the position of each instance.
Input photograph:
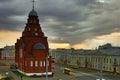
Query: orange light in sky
(8, 38)
(113, 38)
(59, 45)
(80, 46)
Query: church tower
(32, 49)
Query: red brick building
(32, 48)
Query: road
(80, 74)
(84, 74)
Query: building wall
(32, 49)
(109, 55)
(23, 59)
(59, 54)
(8, 52)
(92, 59)
(94, 62)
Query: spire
(33, 4)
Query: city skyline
(67, 24)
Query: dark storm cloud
(6, 22)
(68, 15)
(85, 2)
(78, 20)
(60, 10)
(71, 21)
(8, 10)
(1, 1)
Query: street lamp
(47, 66)
(7, 73)
(101, 67)
(101, 74)
(21, 77)
(101, 64)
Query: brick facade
(31, 49)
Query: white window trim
(44, 63)
(41, 63)
(36, 34)
(36, 63)
(31, 63)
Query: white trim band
(37, 74)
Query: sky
(80, 24)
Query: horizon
(75, 48)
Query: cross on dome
(33, 3)
(33, 12)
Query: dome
(33, 13)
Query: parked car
(13, 66)
(74, 66)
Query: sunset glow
(8, 38)
(59, 45)
(113, 38)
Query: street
(83, 74)
(80, 74)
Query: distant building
(32, 49)
(107, 56)
(8, 52)
(59, 55)
(1, 49)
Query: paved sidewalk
(4, 66)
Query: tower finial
(33, 4)
(33, 12)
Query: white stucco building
(106, 55)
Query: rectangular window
(28, 29)
(44, 63)
(25, 63)
(36, 63)
(47, 63)
(31, 63)
(20, 52)
(35, 29)
(110, 60)
(41, 63)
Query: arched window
(29, 29)
(36, 34)
(38, 46)
(35, 29)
